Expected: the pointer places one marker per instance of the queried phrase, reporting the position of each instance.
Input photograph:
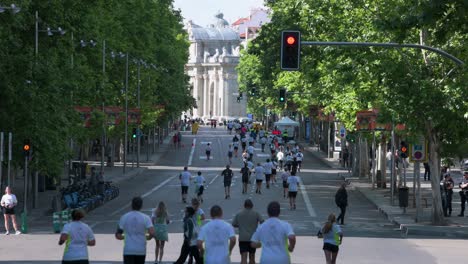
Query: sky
(202, 12)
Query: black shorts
(285, 184)
(236, 148)
(292, 194)
(267, 177)
(230, 154)
(244, 246)
(81, 261)
(258, 181)
(208, 153)
(330, 247)
(227, 183)
(8, 211)
(299, 162)
(184, 189)
(273, 171)
(134, 259)
(200, 190)
(245, 178)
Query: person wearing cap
(447, 185)
(464, 192)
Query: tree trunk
(437, 215)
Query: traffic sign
(342, 132)
(418, 151)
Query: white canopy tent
(288, 124)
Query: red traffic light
(404, 149)
(26, 147)
(291, 40)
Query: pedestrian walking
(235, 143)
(341, 200)
(275, 236)
(160, 220)
(294, 165)
(78, 237)
(230, 153)
(200, 183)
(135, 227)
(8, 204)
(284, 176)
(216, 239)
(175, 140)
(199, 215)
(447, 185)
(243, 142)
(208, 151)
(245, 172)
(332, 239)
(179, 139)
(427, 171)
(247, 221)
(274, 169)
(293, 185)
(259, 172)
(227, 175)
(263, 141)
(268, 166)
(184, 178)
(189, 246)
(251, 150)
(464, 192)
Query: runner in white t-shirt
(276, 237)
(200, 183)
(299, 158)
(133, 227)
(293, 184)
(218, 238)
(184, 178)
(268, 166)
(78, 236)
(259, 172)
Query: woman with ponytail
(332, 239)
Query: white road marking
(263, 155)
(145, 194)
(205, 142)
(204, 157)
(309, 207)
(192, 151)
(217, 175)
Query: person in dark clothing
(228, 175)
(294, 166)
(427, 171)
(464, 192)
(447, 193)
(341, 200)
(189, 246)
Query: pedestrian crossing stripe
(205, 142)
(263, 155)
(204, 157)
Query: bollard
(64, 219)
(56, 222)
(24, 223)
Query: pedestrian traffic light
(282, 95)
(403, 150)
(27, 147)
(253, 92)
(134, 133)
(290, 50)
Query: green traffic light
(134, 136)
(281, 99)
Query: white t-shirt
(280, 156)
(259, 171)
(199, 180)
(293, 182)
(263, 140)
(185, 178)
(250, 150)
(134, 224)
(9, 200)
(76, 246)
(299, 156)
(285, 175)
(332, 237)
(216, 235)
(273, 234)
(198, 217)
(250, 165)
(268, 167)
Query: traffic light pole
(385, 45)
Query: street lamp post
(13, 8)
(49, 31)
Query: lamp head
(15, 9)
(61, 31)
(49, 32)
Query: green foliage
(38, 93)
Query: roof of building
(214, 34)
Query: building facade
(214, 56)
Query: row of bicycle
(85, 195)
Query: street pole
(419, 211)
(126, 115)
(10, 141)
(373, 159)
(103, 138)
(1, 160)
(36, 35)
(25, 196)
(392, 169)
(138, 106)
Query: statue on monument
(220, 21)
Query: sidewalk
(114, 174)
(457, 227)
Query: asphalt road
(369, 237)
